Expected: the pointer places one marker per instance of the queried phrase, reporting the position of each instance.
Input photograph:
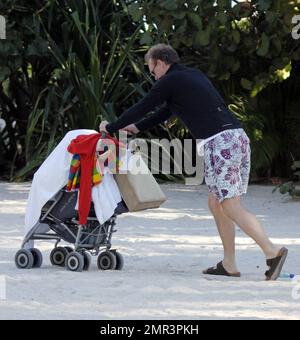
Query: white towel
(53, 176)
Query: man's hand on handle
(132, 129)
(102, 126)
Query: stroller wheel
(107, 260)
(58, 256)
(87, 257)
(24, 259)
(69, 249)
(120, 261)
(37, 258)
(75, 262)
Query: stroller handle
(130, 137)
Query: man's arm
(158, 117)
(158, 94)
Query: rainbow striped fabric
(74, 174)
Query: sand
(165, 251)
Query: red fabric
(85, 146)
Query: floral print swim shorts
(227, 164)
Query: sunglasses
(152, 71)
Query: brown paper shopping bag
(138, 187)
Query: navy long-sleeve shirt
(188, 94)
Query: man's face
(157, 68)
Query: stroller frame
(106, 229)
(88, 240)
(86, 243)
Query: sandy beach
(165, 251)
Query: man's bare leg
(226, 229)
(248, 222)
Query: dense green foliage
(69, 64)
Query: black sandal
(275, 265)
(220, 271)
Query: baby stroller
(62, 218)
(62, 224)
